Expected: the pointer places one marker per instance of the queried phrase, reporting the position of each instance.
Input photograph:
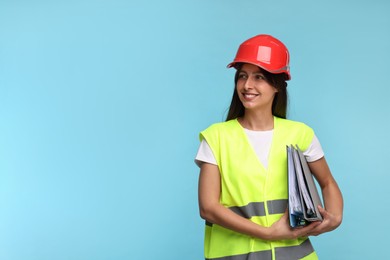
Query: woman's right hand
(281, 229)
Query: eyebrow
(255, 72)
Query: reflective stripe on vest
(281, 253)
(257, 209)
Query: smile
(250, 96)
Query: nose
(248, 83)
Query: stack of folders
(303, 197)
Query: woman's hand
(329, 223)
(281, 229)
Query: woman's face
(253, 89)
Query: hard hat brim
(285, 71)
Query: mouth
(250, 96)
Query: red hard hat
(266, 52)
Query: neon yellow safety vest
(252, 191)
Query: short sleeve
(205, 154)
(314, 152)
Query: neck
(257, 121)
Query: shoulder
(220, 128)
(294, 132)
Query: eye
(259, 77)
(242, 75)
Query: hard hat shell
(264, 51)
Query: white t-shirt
(261, 143)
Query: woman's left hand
(329, 223)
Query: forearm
(220, 215)
(214, 212)
(333, 202)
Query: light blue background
(101, 103)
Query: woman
(243, 177)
